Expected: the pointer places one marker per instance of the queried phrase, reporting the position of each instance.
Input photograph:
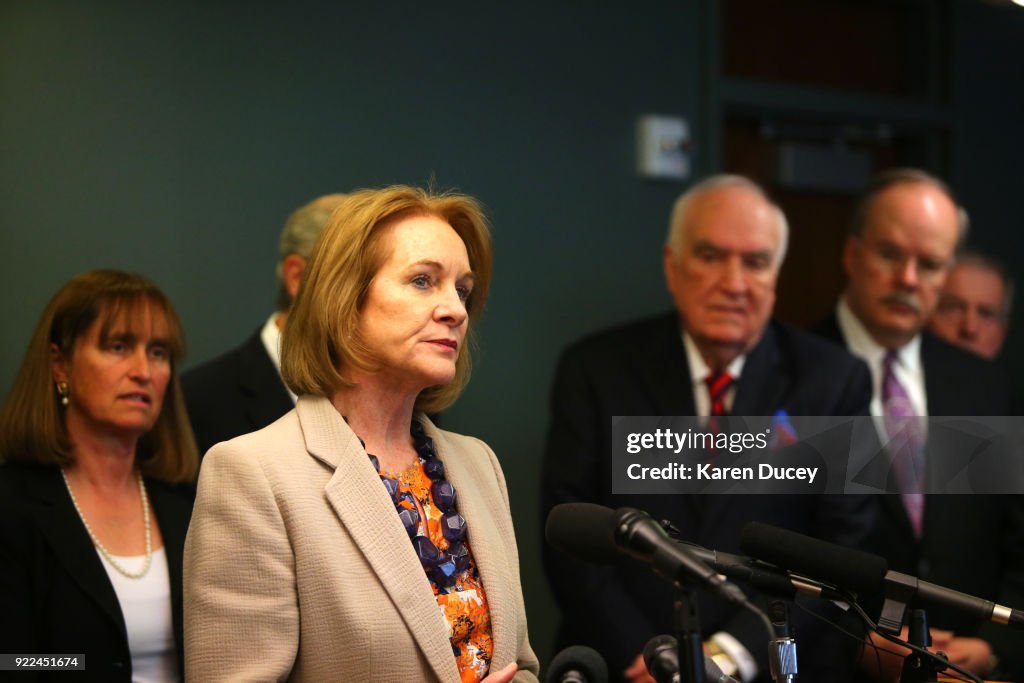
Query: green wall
(173, 139)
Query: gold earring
(63, 390)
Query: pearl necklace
(99, 546)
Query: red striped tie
(718, 387)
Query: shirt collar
(863, 345)
(271, 338)
(699, 370)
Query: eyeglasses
(896, 259)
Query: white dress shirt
(700, 371)
(271, 337)
(908, 368)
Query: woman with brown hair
(95, 485)
(353, 540)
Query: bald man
(897, 257)
(242, 390)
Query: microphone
(763, 576)
(577, 664)
(861, 571)
(814, 558)
(586, 531)
(596, 533)
(661, 655)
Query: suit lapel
(265, 396)
(485, 542)
(172, 515)
(64, 532)
(368, 515)
(762, 387)
(942, 395)
(663, 368)
(764, 383)
(892, 504)
(761, 391)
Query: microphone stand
(691, 644)
(916, 667)
(899, 591)
(782, 647)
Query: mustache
(904, 299)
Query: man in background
(242, 390)
(897, 256)
(974, 307)
(718, 353)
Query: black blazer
(56, 596)
(236, 393)
(974, 544)
(641, 369)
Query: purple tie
(906, 442)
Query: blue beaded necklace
(443, 566)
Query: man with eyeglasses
(897, 256)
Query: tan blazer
(298, 568)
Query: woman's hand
(502, 676)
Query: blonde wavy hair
(321, 338)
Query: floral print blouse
(464, 603)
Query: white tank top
(146, 605)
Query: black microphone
(814, 558)
(577, 664)
(762, 575)
(594, 533)
(661, 655)
(860, 571)
(586, 531)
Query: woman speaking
(352, 540)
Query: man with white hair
(242, 391)
(718, 353)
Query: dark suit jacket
(234, 394)
(641, 369)
(974, 544)
(56, 596)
